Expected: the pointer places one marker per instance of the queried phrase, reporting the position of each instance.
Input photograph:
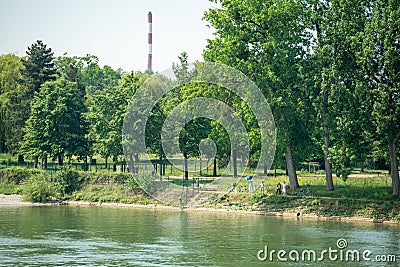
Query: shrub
(121, 178)
(38, 188)
(68, 180)
(15, 175)
(132, 184)
(9, 189)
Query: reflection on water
(100, 236)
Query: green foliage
(340, 162)
(249, 37)
(68, 180)
(16, 175)
(9, 189)
(269, 199)
(38, 188)
(379, 58)
(56, 127)
(110, 193)
(132, 184)
(39, 66)
(12, 106)
(106, 111)
(330, 70)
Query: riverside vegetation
(328, 69)
(68, 184)
(364, 197)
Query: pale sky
(113, 30)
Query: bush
(9, 189)
(68, 180)
(121, 178)
(16, 175)
(132, 184)
(38, 188)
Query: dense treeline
(62, 107)
(329, 69)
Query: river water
(104, 236)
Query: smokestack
(150, 41)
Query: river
(104, 236)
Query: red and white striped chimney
(150, 41)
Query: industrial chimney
(150, 41)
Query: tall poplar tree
(266, 40)
(380, 58)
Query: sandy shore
(16, 200)
(12, 200)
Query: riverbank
(362, 198)
(297, 213)
(17, 200)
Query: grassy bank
(37, 185)
(367, 196)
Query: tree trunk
(85, 161)
(131, 164)
(21, 159)
(161, 165)
(234, 156)
(44, 162)
(114, 167)
(394, 170)
(106, 162)
(328, 168)
(201, 168)
(215, 168)
(60, 159)
(294, 183)
(265, 170)
(35, 162)
(186, 171)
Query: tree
(11, 91)
(38, 69)
(266, 40)
(380, 59)
(56, 126)
(194, 130)
(341, 98)
(106, 110)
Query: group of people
(251, 188)
(280, 188)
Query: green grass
(369, 197)
(9, 189)
(109, 193)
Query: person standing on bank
(278, 188)
(284, 189)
